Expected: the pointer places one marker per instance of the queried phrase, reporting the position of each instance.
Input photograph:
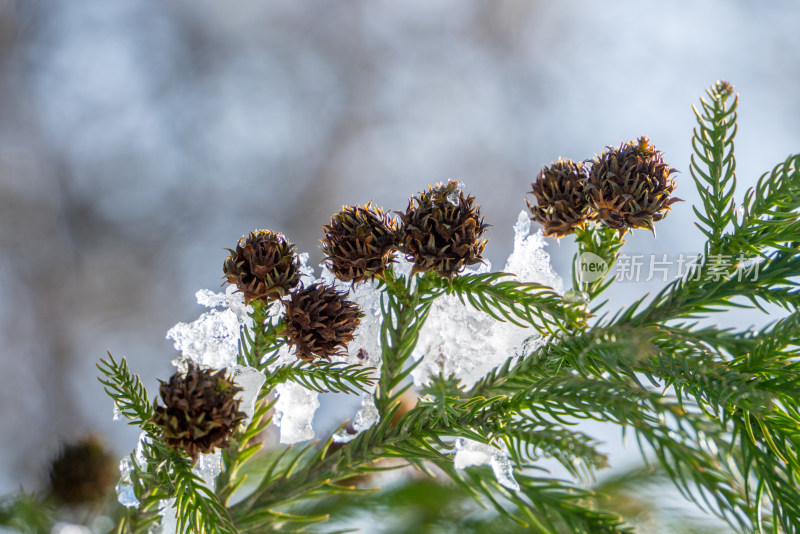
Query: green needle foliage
(715, 411)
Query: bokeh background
(140, 138)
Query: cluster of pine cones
(441, 231)
(626, 187)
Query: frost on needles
(471, 378)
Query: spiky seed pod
(561, 203)
(359, 243)
(442, 230)
(263, 266)
(630, 186)
(200, 411)
(83, 472)
(320, 321)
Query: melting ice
(472, 453)
(457, 339)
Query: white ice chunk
(208, 467)
(250, 380)
(294, 412)
(169, 517)
(402, 267)
(125, 493)
(459, 340)
(213, 339)
(528, 260)
(138, 454)
(305, 270)
(210, 341)
(471, 453)
(365, 417)
(344, 435)
(117, 413)
(231, 299)
(454, 196)
(368, 415)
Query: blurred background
(140, 138)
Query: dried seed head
(561, 203)
(630, 186)
(83, 472)
(263, 266)
(320, 321)
(442, 230)
(359, 243)
(200, 411)
(723, 89)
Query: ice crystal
(138, 454)
(471, 453)
(208, 467)
(528, 261)
(213, 339)
(169, 518)
(117, 413)
(365, 417)
(125, 492)
(250, 380)
(294, 412)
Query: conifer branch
(713, 165)
(523, 304)
(127, 390)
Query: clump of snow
(460, 340)
(294, 412)
(472, 453)
(125, 492)
(528, 261)
(213, 339)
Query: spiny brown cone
(359, 242)
(200, 411)
(561, 202)
(442, 230)
(320, 321)
(263, 266)
(630, 186)
(83, 472)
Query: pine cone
(263, 266)
(442, 230)
(200, 411)
(630, 187)
(83, 472)
(561, 203)
(358, 243)
(320, 321)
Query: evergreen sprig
(713, 164)
(324, 377)
(127, 390)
